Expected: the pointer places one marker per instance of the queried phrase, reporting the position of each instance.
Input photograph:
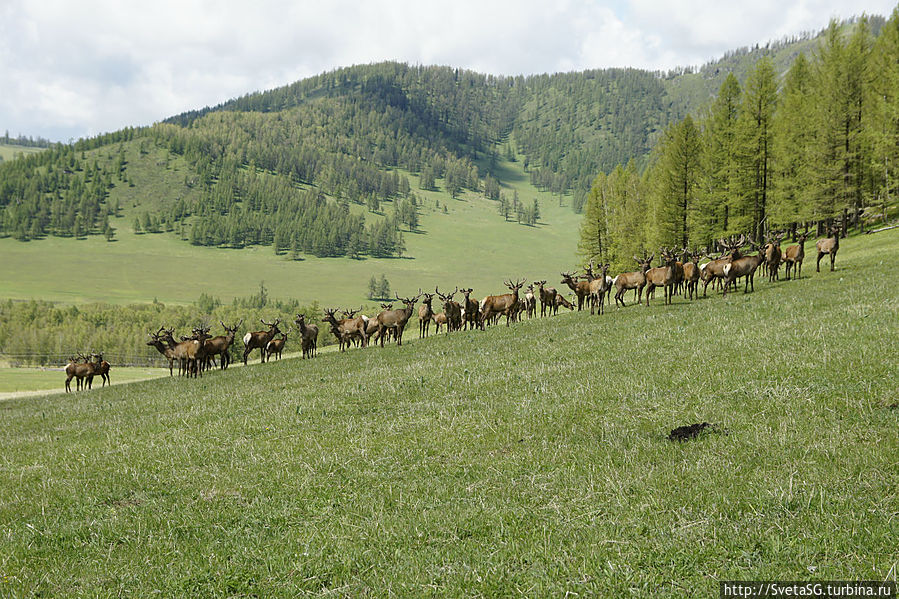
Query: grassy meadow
(10, 151)
(468, 245)
(15, 381)
(530, 460)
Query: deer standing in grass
(599, 286)
(259, 339)
(506, 304)
(581, 288)
(308, 334)
(396, 319)
(276, 346)
(530, 302)
(547, 298)
(742, 266)
(632, 280)
(773, 256)
(220, 344)
(691, 275)
(663, 276)
(165, 350)
(828, 247)
(101, 368)
(79, 370)
(346, 329)
(469, 309)
(425, 315)
(452, 309)
(793, 257)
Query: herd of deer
(679, 271)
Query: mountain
(285, 167)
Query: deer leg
(818, 266)
(833, 258)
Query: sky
(76, 69)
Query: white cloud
(71, 69)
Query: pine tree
(755, 142)
(791, 158)
(718, 189)
(592, 243)
(883, 118)
(677, 178)
(372, 288)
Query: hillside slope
(525, 458)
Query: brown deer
(309, 336)
(581, 288)
(396, 319)
(346, 329)
(441, 320)
(259, 340)
(165, 350)
(691, 275)
(220, 344)
(276, 346)
(78, 367)
(632, 280)
(425, 314)
(530, 302)
(743, 266)
(469, 309)
(101, 367)
(190, 353)
(793, 257)
(773, 255)
(663, 276)
(506, 304)
(829, 246)
(547, 298)
(714, 270)
(563, 302)
(452, 309)
(599, 286)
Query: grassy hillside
(11, 151)
(524, 460)
(468, 245)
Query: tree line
(820, 144)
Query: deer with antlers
(425, 314)
(829, 247)
(581, 288)
(773, 255)
(396, 319)
(452, 309)
(506, 304)
(547, 298)
(259, 339)
(635, 280)
(101, 368)
(793, 257)
(599, 287)
(742, 266)
(308, 336)
(79, 367)
(691, 275)
(165, 350)
(663, 276)
(347, 328)
(220, 344)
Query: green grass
(468, 246)
(17, 380)
(527, 460)
(10, 152)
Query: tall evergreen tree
(883, 118)
(719, 191)
(677, 177)
(755, 143)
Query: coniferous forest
(800, 130)
(818, 143)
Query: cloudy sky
(74, 69)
